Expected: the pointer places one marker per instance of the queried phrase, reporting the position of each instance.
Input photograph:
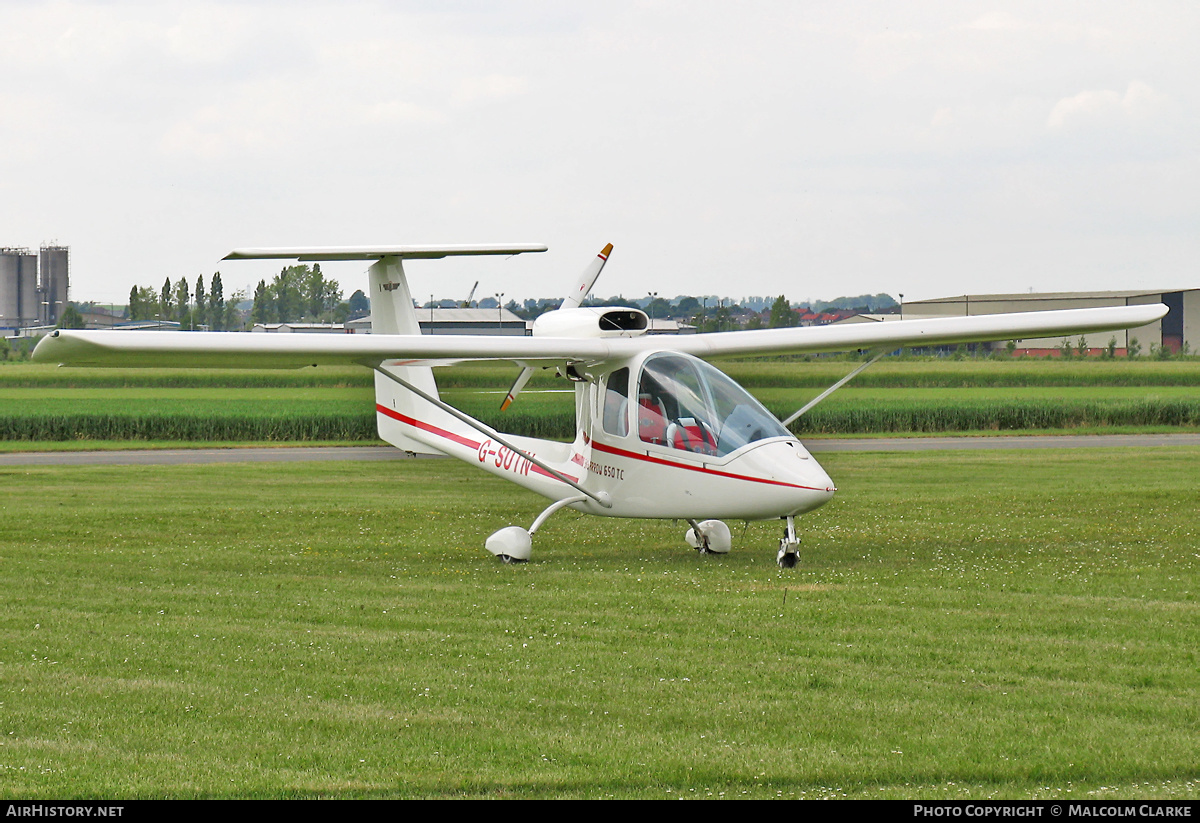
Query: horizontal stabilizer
(322, 253)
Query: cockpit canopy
(684, 403)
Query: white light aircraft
(660, 433)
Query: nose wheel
(789, 546)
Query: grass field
(963, 625)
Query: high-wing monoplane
(660, 433)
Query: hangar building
(1180, 326)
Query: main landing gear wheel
(709, 537)
(511, 545)
(789, 546)
(515, 545)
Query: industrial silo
(55, 271)
(18, 288)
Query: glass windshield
(684, 403)
(616, 403)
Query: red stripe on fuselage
(456, 438)
(645, 458)
(427, 427)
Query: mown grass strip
(962, 626)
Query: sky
(810, 149)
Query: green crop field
(962, 625)
(43, 404)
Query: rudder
(392, 312)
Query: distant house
(96, 317)
(457, 321)
(824, 318)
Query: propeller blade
(575, 299)
(521, 380)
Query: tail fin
(392, 312)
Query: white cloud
(1139, 104)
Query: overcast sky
(811, 149)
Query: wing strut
(833, 388)
(602, 498)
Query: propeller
(588, 279)
(573, 300)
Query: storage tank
(55, 273)
(18, 288)
(27, 287)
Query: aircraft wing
(283, 351)
(938, 331)
(231, 350)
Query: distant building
(149, 325)
(18, 288)
(661, 325)
(807, 317)
(98, 317)
(302, 328)
(881, 318)
(458, 321)
(471, 321)
(1180, 326)
(34, 289)
(54, 264)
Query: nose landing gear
(789, 546)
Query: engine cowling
(596, 321)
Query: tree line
(191, 308)
(302, 293)
(297, 294)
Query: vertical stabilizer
(392, 312)
(408, 416)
